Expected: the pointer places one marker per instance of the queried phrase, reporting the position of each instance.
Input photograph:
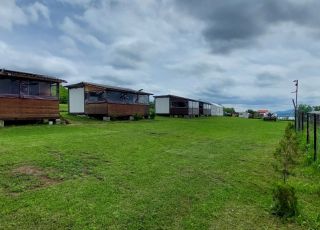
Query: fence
(309, 123)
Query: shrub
(285, 201)
(287, 152)
(270, 117)
(137, 117)
(152, 115)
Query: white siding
(162, 105)
(244, 114)
(196, 105)
(193, 107)
(216, 110)
(76, 100)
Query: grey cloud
(196, 68)
(112, 80)
(227, 97)
(267, 79)
(236, 24)
(129, 54)
(220, 90)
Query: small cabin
(244, 114)
(216, 110)
(171, 105)
(101, 101)
(28, 96)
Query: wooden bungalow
(28, 96)
(107, 101)
(171, 105)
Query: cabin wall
(193, 108)
(96, 109)
(201, 108)
(162, 105)
(28, 109)
(206, 109)
(178, 106)
(119, 110)
(116, 110)
(216, 110)
(76, 100)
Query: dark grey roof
(170, 95)
(205, 102)
(116, 88)
(30, 76)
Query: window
(54, 89)
(24, 87)
(117, 97)
(34, 88)
(28, 88)
(120, 97)
(9, 86)
(45, 89)
(96, 96)
(143, 99)
(179, 104)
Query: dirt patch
(39, 174)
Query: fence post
(295, 120)
(302, 121)
(308, 134)
(299, 122)
(315, 137)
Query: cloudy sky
(241, 53)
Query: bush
(270, 117)
(285, 201)
(287, 153)
(137, 117)
(152, 115)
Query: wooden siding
(179, 111)
(92, 88)
(28, 109)
(116, 110)
(96, 108)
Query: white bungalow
(216, 110)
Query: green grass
(63, 107)
(204, 173)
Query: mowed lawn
(203, 173)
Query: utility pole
(296, 104)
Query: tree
(228, 111)
(64, 95)
(252, 113)
(316, 108)
(305, 108)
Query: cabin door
(76, 100)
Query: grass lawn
(204, 173)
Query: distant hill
(285, 113)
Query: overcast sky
(241, 53)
